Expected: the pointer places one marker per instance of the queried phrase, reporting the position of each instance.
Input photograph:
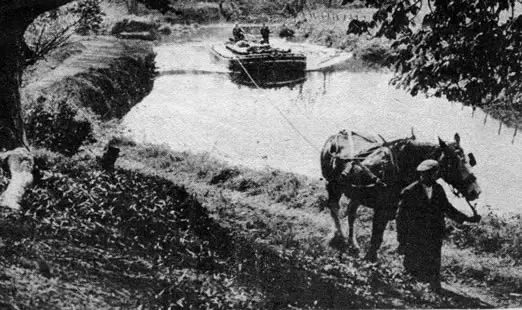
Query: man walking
(420, 224)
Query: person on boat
(238, 33)
(286, 32)
(265, 33)
(420, 224)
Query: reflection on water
(270, 80)
(285, 127)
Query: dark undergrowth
(119, 227)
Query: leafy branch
(466, 51)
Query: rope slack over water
(279, 110)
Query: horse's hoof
(338, 242)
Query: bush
(90, 17)
(495, 234)
(57, 128)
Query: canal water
(195, 106)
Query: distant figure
(238, 33)
(420, 224)
(286, 32)
(265, 33)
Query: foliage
(90, 16)
(60, 130)
(139, 211)
(133, 214)
(496, 234)
(467, 51)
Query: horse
(384, 185)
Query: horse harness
(357, 160)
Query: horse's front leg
(334, 195)
(352, 215)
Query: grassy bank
(480, 259)
(68, 95)
(181, 229)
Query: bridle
(470, 179)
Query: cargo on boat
(262, 64)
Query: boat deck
(228, 53)
(265, 66)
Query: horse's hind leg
(334, 195)
(352, 215)
(380, 219)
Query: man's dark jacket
(420, 228)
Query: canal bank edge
(70, 95)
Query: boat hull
(264, 81)
(264, 69)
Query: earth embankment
(66, 96)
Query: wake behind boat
(263, 63)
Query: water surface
(195, 106)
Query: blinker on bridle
(472, 160)
(470, 179)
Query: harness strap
(356, 160)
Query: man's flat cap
(428, 165)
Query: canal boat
(262, 63)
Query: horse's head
(456, 168)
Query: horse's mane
(424, 149)
(409, 153)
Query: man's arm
(452, 212)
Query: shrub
(90, 16)
(59, 128)
(495, 234)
